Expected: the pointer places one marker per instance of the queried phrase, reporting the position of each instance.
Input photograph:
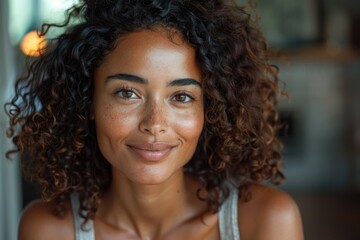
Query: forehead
(152, 50)
(146, 40)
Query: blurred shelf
(331, 53)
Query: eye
(182, 98)
(126, 93)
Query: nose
(154, 120)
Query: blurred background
(316, 44)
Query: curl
(50, 114)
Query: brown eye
(127, 94)
(182, 98)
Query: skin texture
(147, 127)
(162, 112)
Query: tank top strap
(228, 217)
(86, 233)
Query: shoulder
(270, 214)
(39, 222)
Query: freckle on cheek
(109, 113)
(114, 115)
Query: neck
(149, 209)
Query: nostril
(154, 120)
(153, 129)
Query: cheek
(190, 125)
(111, 122)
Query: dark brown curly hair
(50, 114)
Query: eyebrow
(127, 77)
(184, 82)
(137, 79)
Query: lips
(152, 151)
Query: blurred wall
(321, 152)
(9, 174)
(316, 46)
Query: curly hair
(50, 112)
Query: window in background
(20, 19)
(33, 14)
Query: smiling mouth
(152, 152)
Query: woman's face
(148, 106)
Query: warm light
(32, 44)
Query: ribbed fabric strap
(228, 217)
(88, 232)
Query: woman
(153, 120)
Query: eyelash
(127, 90)
(183, 94)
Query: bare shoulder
(39, 222)
(270, 214)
